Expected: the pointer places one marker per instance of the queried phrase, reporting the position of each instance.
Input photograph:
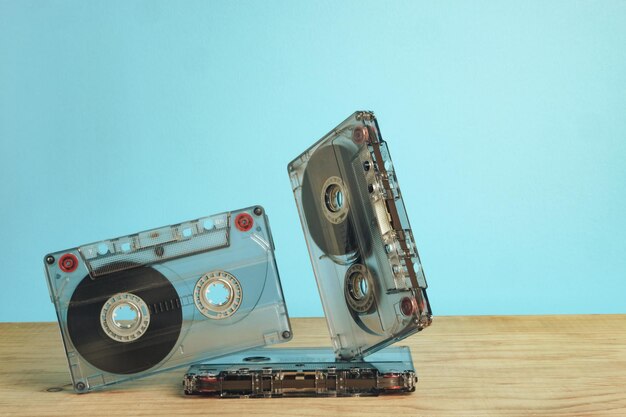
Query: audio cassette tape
(364, 257)
(302, 372)
(151, 301)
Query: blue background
(506, 122)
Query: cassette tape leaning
(360, 242)
(163, 298)
(302, 372)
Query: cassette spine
(279, 383)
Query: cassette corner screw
(80, 386)
(286, 334)
(258, 210)
(49, 259)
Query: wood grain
(468, 366)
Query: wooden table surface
(468, 366)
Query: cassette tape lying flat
(302, 372)
(364, 256)
(151, 301)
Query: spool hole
(217, 294)
(125, 315)
(334, 198)
(359, 286)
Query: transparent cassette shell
(364, 256)
(151, 301)
(302, 372)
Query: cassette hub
(218, 295)
(359, 288)
(334, 200)
(125, 317)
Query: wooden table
(468, 366)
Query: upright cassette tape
(151, 301)
(361, 245)
(302, 372)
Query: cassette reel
(302, 372)
(151, 301)
(360, 241)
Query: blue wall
(506, 122)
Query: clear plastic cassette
(360, 241)
(302, 372)
(151, 301)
